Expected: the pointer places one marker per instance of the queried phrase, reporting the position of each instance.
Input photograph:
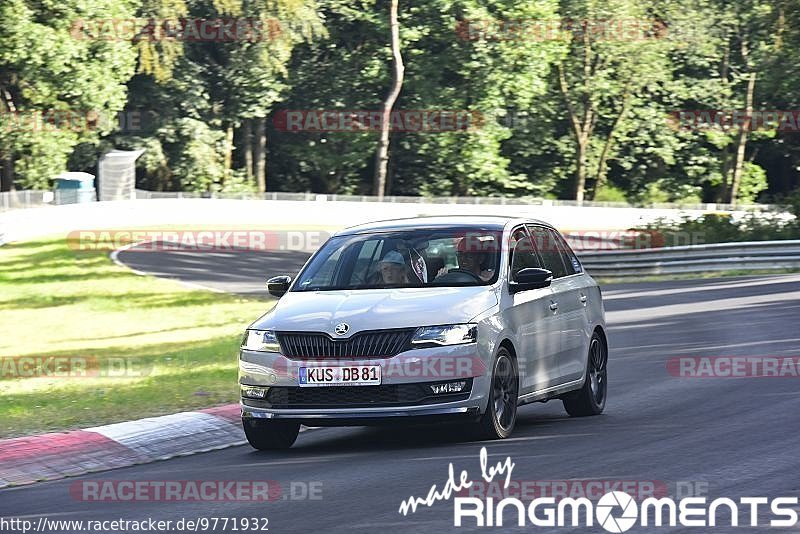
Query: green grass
(55, 302)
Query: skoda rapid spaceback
(454, 318)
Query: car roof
(478, 222)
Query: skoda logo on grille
(341, 329)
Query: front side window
(404, 258)
(523, 254)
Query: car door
(577, 343)
(532, 319)
(569, 295)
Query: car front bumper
(415, 368)
(366, 416)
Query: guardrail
(693, 259)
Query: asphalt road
(725, 437)
(243, 271)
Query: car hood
(376, 309)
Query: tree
(616, 58)
(382, 154)
(57, 88)
(229, 86)
(749, 34)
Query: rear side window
(547, 244)
(570, 260)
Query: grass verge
(88, 342)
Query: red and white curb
(58, 455)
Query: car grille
(374, 344)
(356, 396)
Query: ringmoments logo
(615, 511)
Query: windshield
(407, 258)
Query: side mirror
(278, 285)
(530, 278)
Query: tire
(591, 398)
(265, 434)
(500, 416)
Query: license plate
(353, 375)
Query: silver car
(425, 319)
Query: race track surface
(734, 436)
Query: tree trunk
(744, 132)
(7, 173)
(260, 154)
(382, 154)
(7, 156)
(600, 179)
(582, 130)
(580, 171)
(247, 148)
(228, 151)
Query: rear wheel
(266, 434)
(501, 412)
(591, 398)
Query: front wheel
(266, 434)
(501, 411)
(591, 398)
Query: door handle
(553, 305)
(583, 299)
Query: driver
(473, 256)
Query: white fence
(590, 224)
(481, 201)
(319, 213)
(36, 198)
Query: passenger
(393, 269)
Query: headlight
(453, 334)
(260, 341)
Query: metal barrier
(693, 259)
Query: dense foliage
(568, 99)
